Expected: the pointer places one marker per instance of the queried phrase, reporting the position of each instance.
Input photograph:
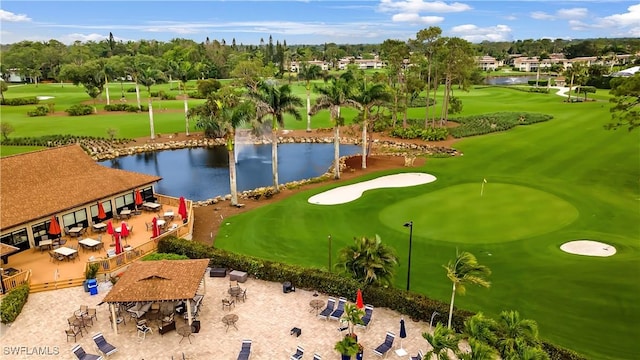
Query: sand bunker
(347, 193)
(44, 97)
(588, 248)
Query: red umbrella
(124, 230)
(110, 228)
(156, 231)
(359, 302)
(138, 198)
(118, 245)
(182, 208)
(101, 213)
(54, 227)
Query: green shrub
(79, 110)
(13, 302)
(124, 107)
(196, 95)
(541, 82)
(163, 256)
(414, 132)
(38, 111)
(162, 95)
(131, 90)
(541, 90)
(487, 123)
(20, 101)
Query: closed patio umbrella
(118, 243)
(138, 198)
(182, 208)
(403, 332)
(359, 301)
(156, 231)
(54, 227)
(110, 228)
(101, 213)
(124, 230)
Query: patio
(266, 317)
(45, 271)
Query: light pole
(410, 226)
(329, 237)
(432, 316)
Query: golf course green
(547, 184)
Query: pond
(203, 173)
(509, 80)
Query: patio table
(151, 206)
(230, 320)
(75, 231)
(185, 332)
(316, 304)
(89, 243)
(45, 243)
(126, 213)
(100, 227)
(65, 251)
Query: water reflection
(508, 80)
(203, 173)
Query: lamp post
(432, 316)
(410, 226)
(329, 237)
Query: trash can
(287, 287)
(92, 284)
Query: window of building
(124, 201)
(147, 194)
(18, 238)
(76, 218)
(39, 231)
(106, 205)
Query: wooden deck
(45, 274)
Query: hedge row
(426, 134)
(125, 107)
(492, 122)
(58, 140)
(20, 101)
(12, 303)
(416, 306)
(79, 110)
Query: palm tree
(332, 97)
(220, 116)
(147, 77)
(368, 260)
(442, 340)
(275, 101)
(479, 351)
(516, 334)
(481, 328)
(307, 73)
(465, 270)
(364, 98)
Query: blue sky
(315, 21)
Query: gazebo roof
(162, 280)
(42, 183)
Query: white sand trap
(44, 97)
(347, 193)
(588, 248)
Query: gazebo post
(113, 317)
(189, 319)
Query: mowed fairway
(548, 183)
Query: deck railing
(11, 282)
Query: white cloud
(417, 6)
(415, 18)
(541, 15)
(574, 13)
(71, 38)
(630, 18)
(474, 33)
(511, 17)
(11, 17)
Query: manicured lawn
(547, 184)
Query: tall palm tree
(516, 334)
(462, 271)
(364, 98)
(442, 340)
(148, 76)
(479, 351)
(220, 116)
(275, 101)
(369, 260)
(332, 97)
(307, 73)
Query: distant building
(296, 65)
(627, 72)
(488, 63)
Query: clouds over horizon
(11, 17)
(476, 34)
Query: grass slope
(587, 175)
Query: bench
(237, 275)
(218, 272)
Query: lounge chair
(138, 310)
(383, 348)
(79, 352)
(366, 319)
(420, 356)
(317, 356)
(245, 351)
(337, 313)
(331, 304)
(104, 347)
(298, 354)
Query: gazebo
(158, 281)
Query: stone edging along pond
(380, 147)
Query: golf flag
(484, 181)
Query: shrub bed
(416, 306)
(487, 123)
(426, 134)
(20, 101)
(79, 110)
(59, 140)
(124, 107)
(38, 111)
(13, 302)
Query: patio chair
(90, 312)
(143, 329)
(55, 256)
(384, 348)
(366, 319)
(79, 352)
(317, 356)
(298, 354)
(245, 350)
(337, 313)
(73, 332)
(66, 231)
(420, 356)
(149, 226)
(227, 303)
(331, 304)
(104, 347)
